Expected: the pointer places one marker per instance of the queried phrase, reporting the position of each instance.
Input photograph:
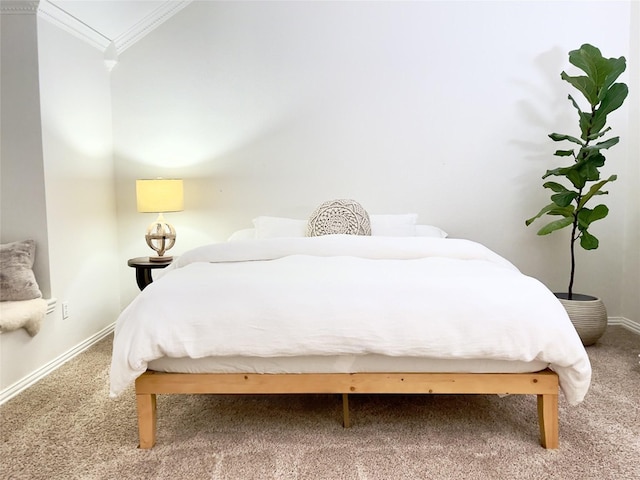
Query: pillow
(244, 234)
(403, 225)
(430, 231)
(272, 227)
(17, 281)
(339, 217)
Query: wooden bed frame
(544, 384)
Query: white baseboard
(626, 323)
(42, 372)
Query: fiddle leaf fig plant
(570, 202)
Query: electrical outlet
(65, 310)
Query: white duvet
(340, 294)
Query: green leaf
(595, 190)
(552, 209)
(540, 213)
(590, 156)
(555, 186)
(585, 58)
(588, 241)
(577, 176)
(611, 100)
(564, 199)
(558, 172)
(587, 216)
(586, 119)
(558, 137)
(593, 136)
(618, 65)
(585, 85)
(563, 153)
(585, 169)
(598, 86)
(555, 225)
(614, 97)
(602, 71)
(603, 145)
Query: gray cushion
(17, 281)
(339, 217)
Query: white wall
(21, 168)
(81, 212)
(439, 108)
(631, 268)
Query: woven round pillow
(339, 217)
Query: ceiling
(110, 23)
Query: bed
(347, 314)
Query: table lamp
(160, 195)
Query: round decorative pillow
(339, 217)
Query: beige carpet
(65, 427)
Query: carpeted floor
(66, 427)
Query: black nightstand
(143, 269)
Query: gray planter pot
(588, 315)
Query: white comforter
(331, 295)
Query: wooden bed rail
(544, 384)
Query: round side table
(143, 269)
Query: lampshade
(160, 195)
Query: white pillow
(244, 234)
(274, 227)
(402, 225)
(430, 231)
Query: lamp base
(161, 236)
(163, 259)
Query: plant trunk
(573, 258)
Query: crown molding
(19, 7)
(149, 23)
(78, 28)
(61, 19)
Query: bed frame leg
(548, 420)
(346, 422)
(146, 419)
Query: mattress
(341, 364)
